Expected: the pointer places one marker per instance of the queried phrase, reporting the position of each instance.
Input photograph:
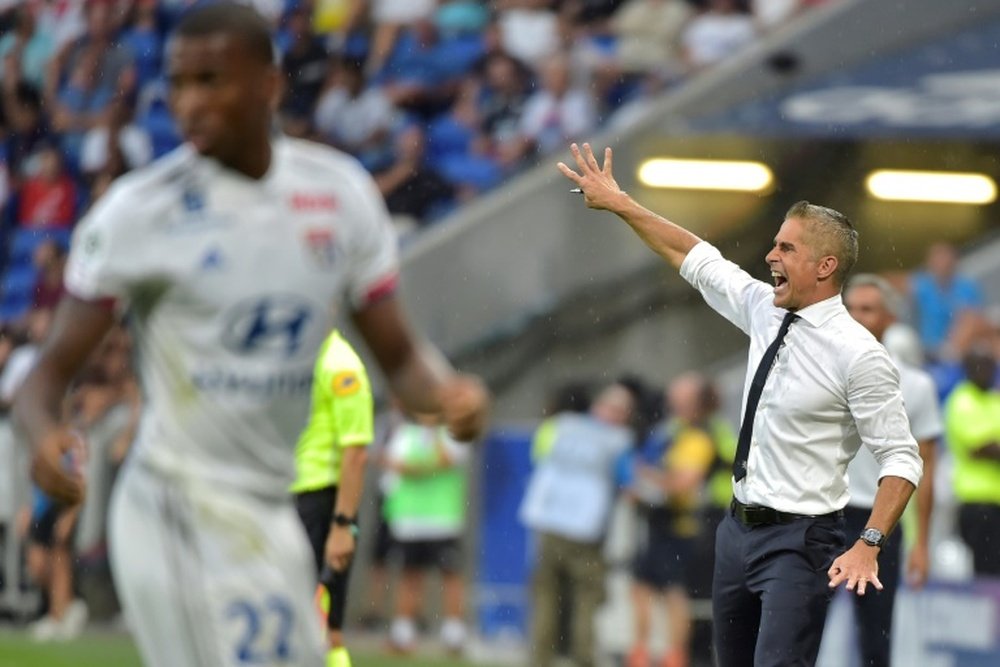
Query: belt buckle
(755, 515)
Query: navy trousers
(770, 593)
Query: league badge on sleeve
(322, 246)
(346, 383)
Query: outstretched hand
(600, 190)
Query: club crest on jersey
(322, 247)
(346, 383)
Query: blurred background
(722, 114)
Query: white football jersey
(231, 285)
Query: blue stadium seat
(24, 241)
(14, 306)
(20, 279)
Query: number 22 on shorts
(266, 632)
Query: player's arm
(600, 190)
(876, 404)
(77, 328)
(918, 563)
(418, 375)
(341, 543)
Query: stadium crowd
(441, 101)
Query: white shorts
(210, 579)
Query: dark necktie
(753, 398)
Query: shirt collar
(823, 311)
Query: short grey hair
(891, 299)
(831, 233)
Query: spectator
(86, 75)
(144, 41)
(305, 65)
(426, 514)
(390, 17)
(649, 36)
(501, 101)
(27, 48)
(717, 33)
(22, 358)
(529, 29)
(568, 505)
(363, 122)
(424, 71)
(48, 197)
(942, 297)
(49, 259)
(49, 560)
(673, 468)
(28, 127)
(557, 113)
(459, 151)
(572, 397)
(116, 144)
(972, 430)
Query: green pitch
(115, 651)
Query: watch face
(872, 537)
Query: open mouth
(779, 280)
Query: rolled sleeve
(726, 288)
(876, 402)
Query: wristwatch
(873, 537)
(345, 521)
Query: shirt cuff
(910, 473)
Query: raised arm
(418, 375)
(77, 328)
(600, 191)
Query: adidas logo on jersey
(212, 260)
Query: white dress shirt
(832, 388)
(921, 403)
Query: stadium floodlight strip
(683, 174)
(931, 186)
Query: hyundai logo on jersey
(272, 325)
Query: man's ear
(274, 87)
(826, 267)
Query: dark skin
(223, 98)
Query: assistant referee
(330, 463)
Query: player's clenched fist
(465, 404)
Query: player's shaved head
(241, 22)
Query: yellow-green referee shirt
(341, 415)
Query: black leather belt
(758, 515)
